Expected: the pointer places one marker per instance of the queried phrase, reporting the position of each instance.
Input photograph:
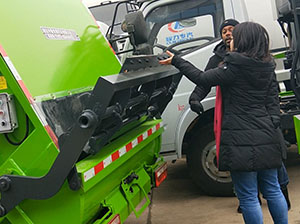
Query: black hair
(251, 39)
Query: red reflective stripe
(128, 147)
(52, 135)
(112, 48)
(25, 90)
(115, 156)
(94, 20)
(140, 138)
(115, 220)
(100, 30)
(21, 83)
(2, 51)
(99, 167)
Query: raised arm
(218, 76)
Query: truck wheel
(202, 164)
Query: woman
(250, 139)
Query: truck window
(184, 27)
(105, 13)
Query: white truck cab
(191, 28)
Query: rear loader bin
(79, 139)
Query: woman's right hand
(167, 61)
(231, 45)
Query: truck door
(191, 29)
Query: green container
(51, 50)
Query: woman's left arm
(218, 76)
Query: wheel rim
(209, 164)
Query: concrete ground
(179, 201)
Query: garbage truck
(80, 134)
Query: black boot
(285, 193)
(239, 210)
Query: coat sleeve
(199, 93)
(218, 76)
(211, 64)
(272, 102)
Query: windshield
(183, 26)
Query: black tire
(202, 164)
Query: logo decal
(175, 27)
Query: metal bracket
(127, 187)
(8, 117)
(135, 63)
(15, 189)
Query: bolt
(131, 190)
(87, 119)
(4, 184)
(74, 186)
(2, 211)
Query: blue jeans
(246, 185)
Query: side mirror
(135, 25)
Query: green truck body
(288, 17)
(54, 99)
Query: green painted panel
(48, 65)
(279, 55)
(56, 66)
(286, 93)
(297, 129)
(149, 143)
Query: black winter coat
(200, 92)
(250, 140)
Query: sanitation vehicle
(79, 133)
